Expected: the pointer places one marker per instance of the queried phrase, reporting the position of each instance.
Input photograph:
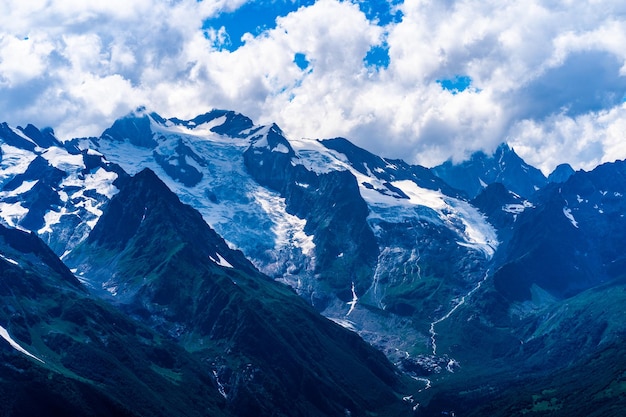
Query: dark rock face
(234, 125)
(570, 241)
(388, 170)
(11, 138)
(561, 173)
(178, 275)
(134, 128)
(331, 203)
(29, 252)
(44, 138)
(504, 166)
(177, 167)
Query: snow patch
(458, 215)
(281, 148)
(346, 324)
(354, 300)
(102, 182)
(12, 213)
(421, 196)
(289, 229)
(205, 128)
(93, 152)
(517, 208)
(23, 136)
(23, 188)
(5, 335)
(568, 213)
(63, 160)
(220, 386)
(14, 161)
(317, 158)
(221, 261)
(9, 260)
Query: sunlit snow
(221, 261)
(473, 229)
(354, 300)
(421, 196)
(288, 228)
(5, 335)
(12, 213)
(61, 159)
(568, 213)
(249, 216)
(205, 128)
(280, 148)
(14, 161)
(23, 188)
(50, 219)
(9, 260)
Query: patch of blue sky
(378, 56)
(383, 12)
(253, 17)
(300, 60)
(456, 84)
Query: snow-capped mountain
(56, 191)
(326, 217)
(442, 269)
(189, 312)
(572, 238)
(481, 169)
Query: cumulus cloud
(548, 77)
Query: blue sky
(420, 80)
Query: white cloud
(22, 59)
(588, 139)
(546, 75)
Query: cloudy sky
(417, 79)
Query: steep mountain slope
(432, 246)
(571, 240)
(271, 353)
(502, 208)
(480, 170)
(65, 353)
(547, 328)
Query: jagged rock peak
(561, 173)
(480, 170)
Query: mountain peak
(561, 173)
(44, 138)
(126, 212)
(480, 170)
(135, 127)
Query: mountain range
(215, 266)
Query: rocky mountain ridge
(438, 278)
